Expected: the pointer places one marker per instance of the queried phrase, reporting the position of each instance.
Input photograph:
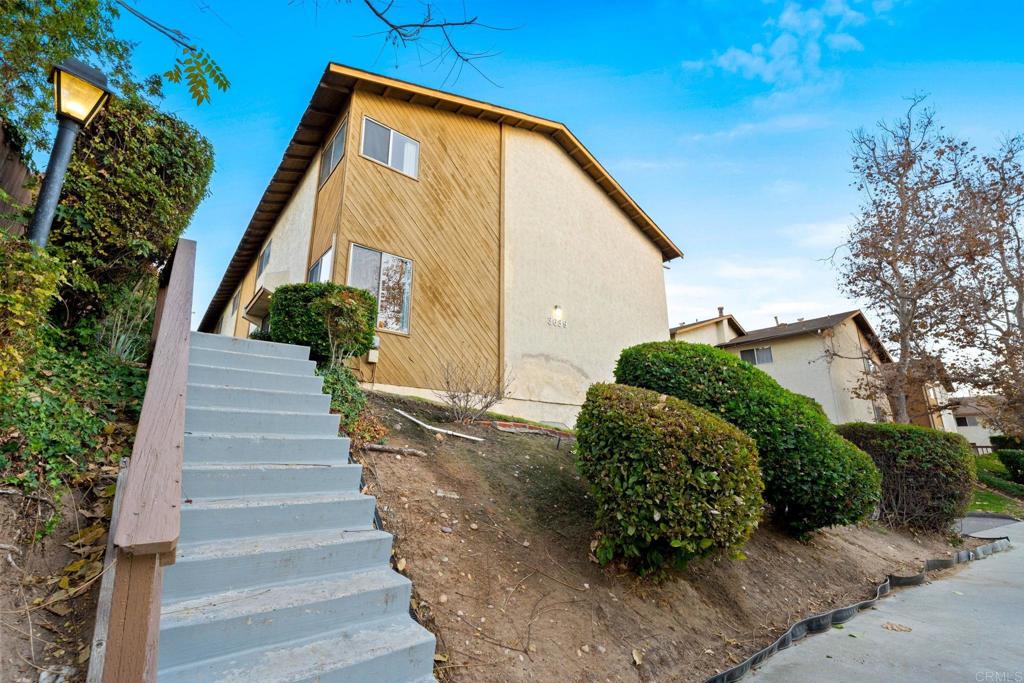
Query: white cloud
(820, 235)
(843, 42)
(796, 41)
(693, 64)
(755, 289)
(777, 124)
(784, 187)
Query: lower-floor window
(967, 421)
(389, 279)
(759, 356)
(320, 271)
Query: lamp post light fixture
(79, 93)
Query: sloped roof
(329, 100)
(686, 327)
(812, 326)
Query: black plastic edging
(823, 622)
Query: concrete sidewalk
(968, 628)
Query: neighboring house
(825, 358)
(972, 423)
(928, 401)
(492, 238)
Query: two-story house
(826, 358)
(491, 238)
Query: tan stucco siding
(291, 233)
(567, 244)
(827, 366)
(800, 365)
(849, 348)
(716, 333)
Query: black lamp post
(79, 92)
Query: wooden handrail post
(148, 500)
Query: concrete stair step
(212, 396)
(223, 342)
(219, 566)
(282, 449)
(208, 519)
(397, 650)
(236, 421)
(213, 480)
(250, 361)
(208, 626)
(253, 379)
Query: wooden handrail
(147, 511)
(150, 515)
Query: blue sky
(729, 122)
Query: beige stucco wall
(291, 234)
(978, 435)
(715, 333)
(825, 366)
(567, 244)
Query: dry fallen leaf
(638, 657)
(889, 626)
(401, 565)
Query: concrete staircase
(280, 576)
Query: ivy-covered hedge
(134, 181)
(671, 481)
(928, 476)
(315, 313)
(1013, 461)
(813, 478)
(28, 285)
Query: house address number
(554, 322)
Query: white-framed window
(235, 300)
(759, 356)
(264, 260)
(391, 148)
(389, 279)
(333, 152)
(321, 269)
(967, 421)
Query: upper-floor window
(759, 356)
(320, 271)
(967, 421)
(391, 148)
(333, 153)
(264, 260)
(387, 277)
(235, 301)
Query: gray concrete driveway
(968, 628)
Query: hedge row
(671, 481)
(928, 476)
(813, 478)
(1013, 461)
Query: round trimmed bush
(670, 481)
(928, 476)
(813, 478)
(306, 314)
(1013, 461)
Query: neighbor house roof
(813, 326)
(328, 101)
(687, 327)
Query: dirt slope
(502, 573)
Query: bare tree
(906, 243)
(469, 391)
(986, 335)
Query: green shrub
(347, 398)
(133, 184)
(812, 477)
(670, 481)
(928, 476)
(28, 286)
(299, 314)
(1002, 442)
(68, 409)
(1013, 461)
